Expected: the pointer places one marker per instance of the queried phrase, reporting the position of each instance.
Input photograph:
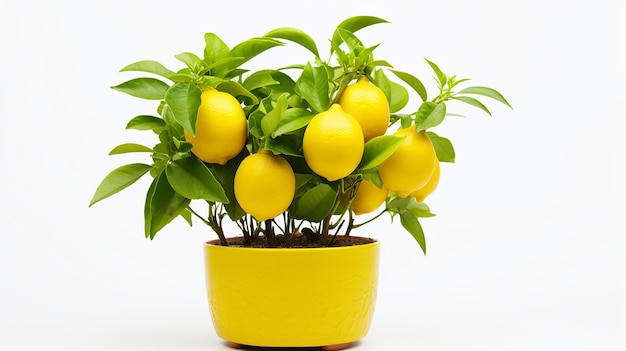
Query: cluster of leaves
(278, 107)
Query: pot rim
(216, 243)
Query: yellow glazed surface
(291, 297)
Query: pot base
(336, 347)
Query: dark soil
(300, 241)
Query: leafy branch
(278, 107)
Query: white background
(527, 250)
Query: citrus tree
(307, 148)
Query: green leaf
(286, 144)
(315, 204)
(182, 77)
(313, 87)
(413, 82)
(237, 90)
(246, 50)
(441, 77)
(354, 44)
(456, 82)
(443, 147)
(259, 79)
(235, 73)
(119, 179)
(302, 181)
(354, 24)
(291, 120)
(295, 35)
(149, 66)
(252, 47)
(186, 214)
(221, 62)
(404, 204)
(226, 174)
(214, 49)
(143, 122)
(485, 91)
(342, 58)
(160, 162)
(163, 204)
(378, 149)
(182, 146)
(473, 102)
(278, 81)
(193, 180)
(396, 94)
(429, 115)
(129, 147)
(144, 88)
(420, 209)
(372, 176)
(257, 114)
(398, 204)
(377, 63)
(271, 119)
(367, 55)
(399, 97)
(173, 128)
(184, 101)
(381, 80)
(190, 59)
(411, 223)
(405, 120)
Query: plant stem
(197, 215)
(336, 232)
(325, 228)
(326, 225)
(350, 224)
(213, 223)
(254, 230)
(369, 220)
(269, 233)
(245, 230)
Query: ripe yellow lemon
(221, 128)
(368, 197)
(368, 104)
(333, 143)
(411, 165)
(421, 193)
(264, 185)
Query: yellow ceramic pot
(297, 297)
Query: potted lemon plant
(297, 158)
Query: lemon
(264, 185)
(411, 165)
(421, 193)
(368, 104)
(333, 143)
(221, 128)
(368, 197)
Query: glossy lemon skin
(368, 104)
(221, 128)
(264, 185)
(411, 165)
(368, 197)
(305, 297)
(333, 143)
(423, 192)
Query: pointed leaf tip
(488, 92)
